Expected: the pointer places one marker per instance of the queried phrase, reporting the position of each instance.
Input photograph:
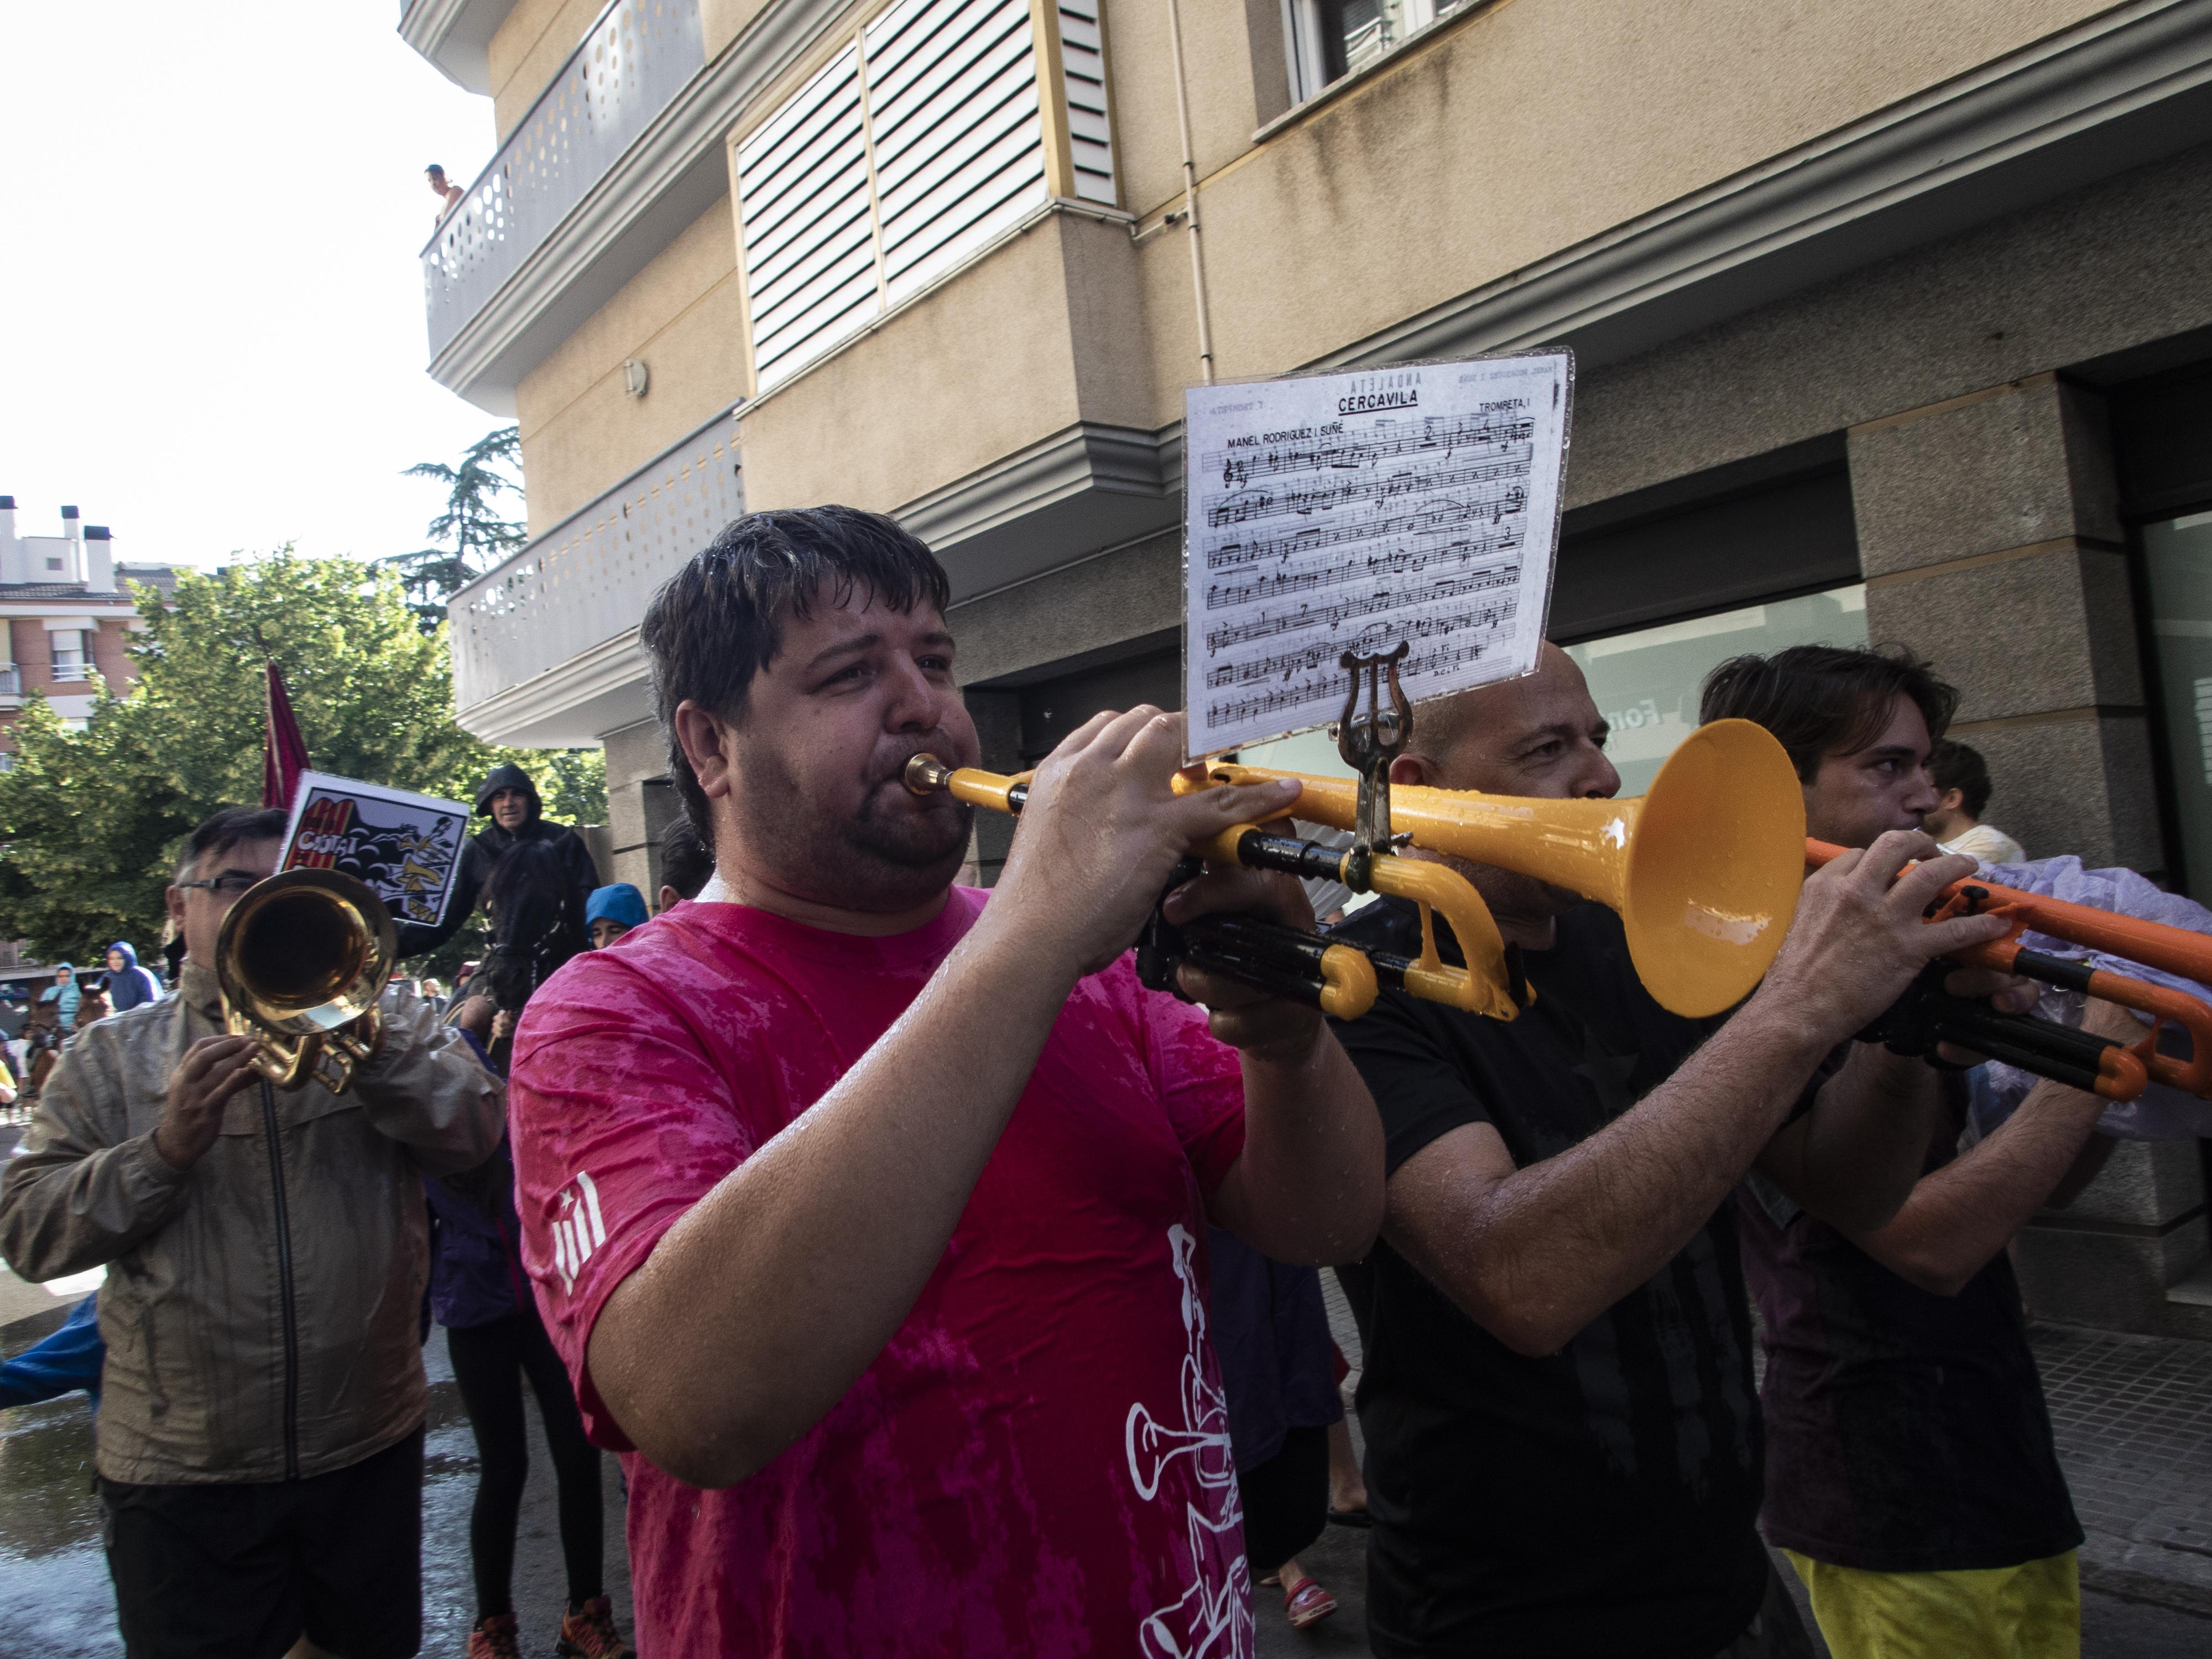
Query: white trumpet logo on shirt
(578, 1230)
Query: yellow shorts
(2029, 1612)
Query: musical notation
(1242, 466)
(1246, 506)
(1332, 617)
(1305, 658)
(1326, 690)
(1431, 519)
(1331, 512)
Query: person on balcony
(449, 195)
(511, 801)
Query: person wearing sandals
(1278, 1372)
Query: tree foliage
(471, 536)
(91, 820)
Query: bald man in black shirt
(1563, 1452)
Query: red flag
(284, 756)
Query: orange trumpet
(2118, 1071)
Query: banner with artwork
(406, 846)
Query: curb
(2142, 1587)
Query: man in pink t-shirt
(870, 1217)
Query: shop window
(1646, 682)
(2178, 572)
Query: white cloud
(212, 302)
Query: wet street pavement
(2134, 1417)
(53, 1577)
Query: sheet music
(1330, 513)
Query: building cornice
(2122, 89)
(1088, 487)
(674, 173)
(455, 35)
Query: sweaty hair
(225, 828)
(1954, 766)
(685, 862)
(1822, 700)
(719, 621)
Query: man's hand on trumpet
(1104, 830)
(1860, 937)
(1261, 1023)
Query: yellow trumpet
(1704, 870)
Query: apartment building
(1893, 322)
(69, 614)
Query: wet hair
(719, 621)
(224, 828)
(685, 862)
(437, 167)
(1822, 700)
(1954, 766)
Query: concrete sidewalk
(2133, 1416)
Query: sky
(211, 328)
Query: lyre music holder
(1368, 742)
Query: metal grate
(587, 579)
(914, 149)
(1089, 130)
(802, 192)
(959, 143)
(637, 58)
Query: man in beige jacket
(260, 1437)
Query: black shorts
(239, 1571)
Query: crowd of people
(943, 1290)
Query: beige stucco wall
(1513, 132)
(683, 316)
(721, 22)
(1018, 346)
(527, 49)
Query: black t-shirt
(1600, 1501)
(1906, 1431)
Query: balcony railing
(636, 58)
(587, 580)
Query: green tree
(90, 820)
(471, 535)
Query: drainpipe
(1190, 195)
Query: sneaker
(495, 1638)
(589, 1632)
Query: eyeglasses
(230, 885)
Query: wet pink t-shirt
(1038, 1462)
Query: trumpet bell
(1711, 882)
(301, 957)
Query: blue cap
(621, 903)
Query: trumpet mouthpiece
(925, 775)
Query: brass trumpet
(302, 958)
(1704, 870)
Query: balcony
(544, 647)
(637, 56)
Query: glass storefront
(1646, 682)
(2178, 568)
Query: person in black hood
(510, 800)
